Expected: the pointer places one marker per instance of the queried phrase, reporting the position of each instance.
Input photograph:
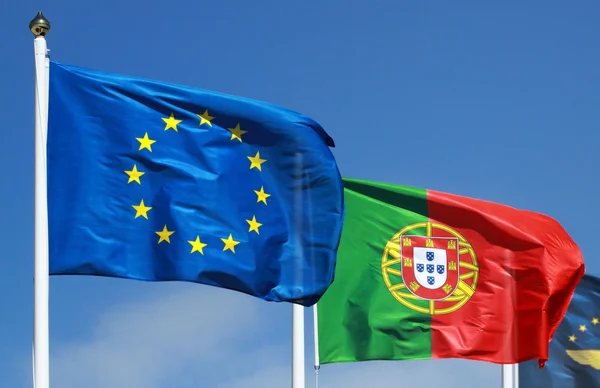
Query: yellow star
(595, 321)
(145, 142)
(134, 175)
(197, 245)
(262, 196)
(230, 244)
(205, 118)
(236, 133)
(582, 328)
(171, 122)
(256, 161)
(254, 225)
(141, 210)
(572, 338)
(164, 235)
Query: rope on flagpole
(298, 371)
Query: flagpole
(316, 341)
(40, 26)
(298, 346)
(510, 376)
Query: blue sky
(494, 101)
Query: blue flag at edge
(574, 353)
(160, 182)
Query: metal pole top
(39, 26)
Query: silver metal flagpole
(510, 376)
(40, 26)
(298, 346)
(316, 339)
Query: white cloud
(150, 343)
(205, 337)
(431, 373)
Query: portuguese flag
(423, 274)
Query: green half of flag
(423, 274)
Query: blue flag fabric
(574, 354)
(160, 182)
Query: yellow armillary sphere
(430, 268)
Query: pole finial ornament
(39, 26)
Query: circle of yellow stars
(142, 209)
(583, 329)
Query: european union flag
(158, 182)
(574, 354)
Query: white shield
(430, 266)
